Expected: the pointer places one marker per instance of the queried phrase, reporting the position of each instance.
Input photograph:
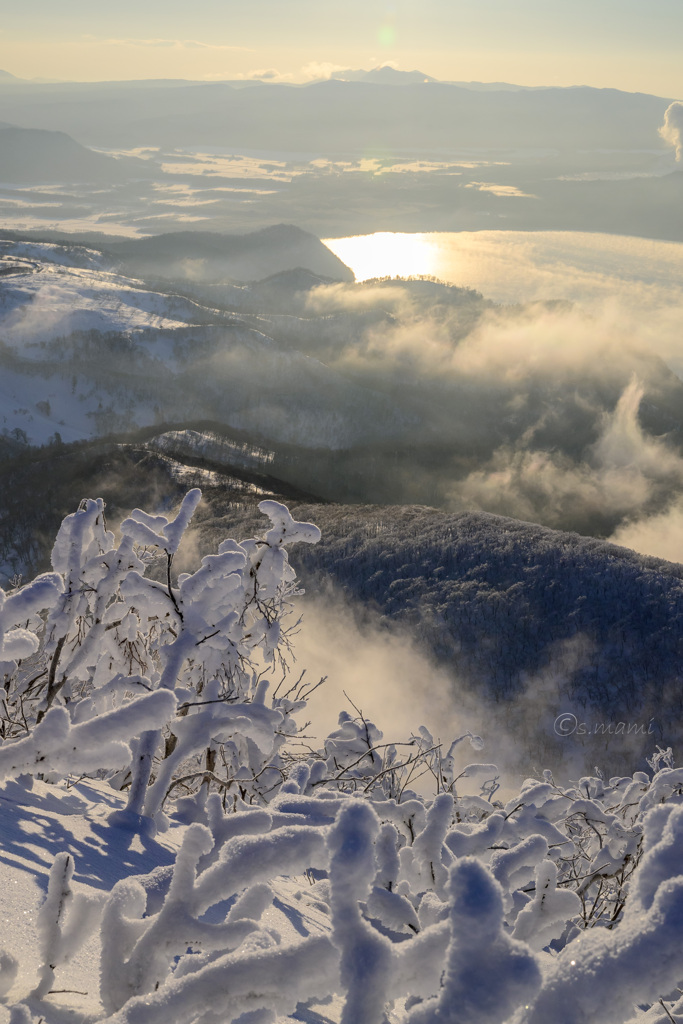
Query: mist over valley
(491, 328)
(437, 408)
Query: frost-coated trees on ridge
(562, 904)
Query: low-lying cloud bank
(393, 682)
(563, 416)
(624, 473)
(660, 535)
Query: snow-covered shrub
(105, 668)
(487, 974)
(563, 904)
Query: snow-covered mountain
(88, 351)
(384, 74)
(387, 391)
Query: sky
(626, 44)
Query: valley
(341, 514)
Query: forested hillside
(520, 615)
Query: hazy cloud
(621, 474)
(394, 682)
(312, 72)
(659, 535)
(176, 44)
(389, 677)
(352, 298)
(672, 129)
(497, 345)
(319, 69)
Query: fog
(562, 408)
(394, 683)
(510, 266)
(660, 535)
(622, 474)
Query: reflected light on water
(520, 266)
(387, 254)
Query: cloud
(175, 44)
(659, 535)
(319, 69)
(503, 191)
(465, 342)
(263, 75)
(335, 298)
(394, 682)
(312, 72)
(672, 129)
(621, 474)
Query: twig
(666, 1011)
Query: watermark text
(568, 724)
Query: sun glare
(387, 254)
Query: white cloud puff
(672, 129)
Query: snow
(40, 823)
(44, 823)
(243, 879)
(87, 351)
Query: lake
(512, 266)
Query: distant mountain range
(387, 75)
(338, 116)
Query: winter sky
(627, 44)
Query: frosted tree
(108, 668)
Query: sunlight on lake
(509, 266)
(389, 254)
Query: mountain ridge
(36, 154)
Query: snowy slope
(40, 821)
(86, 351)
(53, 299)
